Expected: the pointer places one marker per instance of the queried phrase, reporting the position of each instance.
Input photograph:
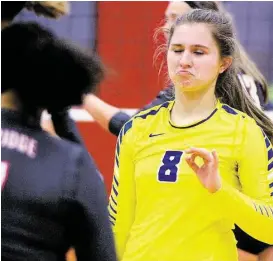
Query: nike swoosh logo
(154, 135)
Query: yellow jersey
(158, 208)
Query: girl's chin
(188, 87)
(184, 85)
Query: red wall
(125, 42)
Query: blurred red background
(135, 81)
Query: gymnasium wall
(254, 24)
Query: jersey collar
(170, 107)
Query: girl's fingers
(203, 153)
(215, 158)
(192, 164)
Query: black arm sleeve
(120, 118)
(248, 243)
(117, 121)
(162, 97)
(65, 127)
(92, 234)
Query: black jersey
(53, 197)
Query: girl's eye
(178, 50)
(199, 52)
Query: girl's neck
(190, 107)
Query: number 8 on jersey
(168, 170)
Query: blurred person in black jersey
(64, 126)
(53, 196)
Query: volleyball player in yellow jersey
(163, 207)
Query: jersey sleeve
(252, 207)
(122, 198)
(92, 235)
